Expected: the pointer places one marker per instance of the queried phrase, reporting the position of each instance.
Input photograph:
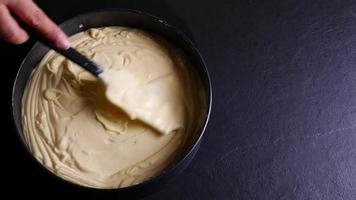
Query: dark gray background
(283, 123)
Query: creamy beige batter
(122, 130)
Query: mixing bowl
(135, 19)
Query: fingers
(9, 29)
(30, 13)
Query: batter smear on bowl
(119, 133)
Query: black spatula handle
(70, 53)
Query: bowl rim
(180, 161)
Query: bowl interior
(129, 18)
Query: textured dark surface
(283, 123)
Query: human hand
(30, 13)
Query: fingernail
(62, 42)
